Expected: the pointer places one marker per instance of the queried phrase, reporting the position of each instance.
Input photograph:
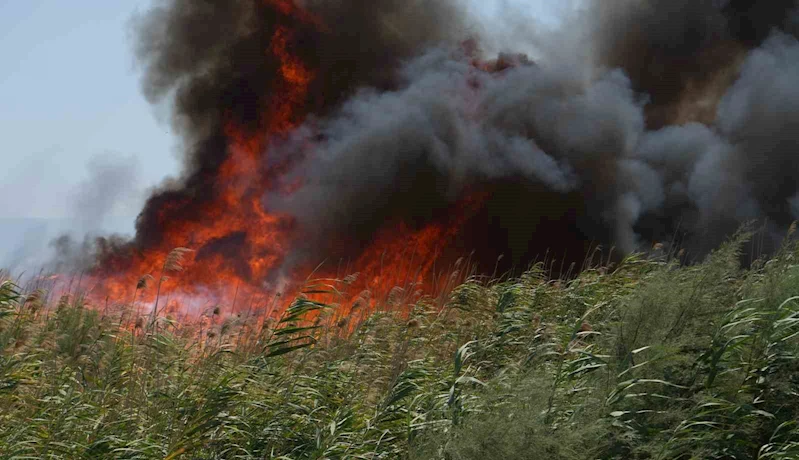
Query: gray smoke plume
(111, 184)
(608, 122)
(93, 207)
(214, 60)
(111, 187)
(637, 121)
(466, 127)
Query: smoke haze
(95, 206)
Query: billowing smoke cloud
(680, 119)
(397, 153)
(743, 166)
(216, 59)
(759, 115)
(638, 120)
(682, 53)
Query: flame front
(237, 242)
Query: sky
(70, 100)
(69, 93)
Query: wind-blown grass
(649, 360)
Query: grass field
(646, 360)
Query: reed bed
(647, 359)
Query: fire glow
(237, 243)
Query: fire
(404, 259)
(299, 122)
(236, 241)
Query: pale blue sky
(69, 92)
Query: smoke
(92, 207)
(672, 119)
(407, 152)
(520, 26)
(759, 116)
(682, 53)
(111, 186)
(217, 62)
(635, 121)
(110, 189)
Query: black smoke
(666, 121)
(638, 121)
(213, 61)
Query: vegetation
(647, 360)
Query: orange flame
(398, 257)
